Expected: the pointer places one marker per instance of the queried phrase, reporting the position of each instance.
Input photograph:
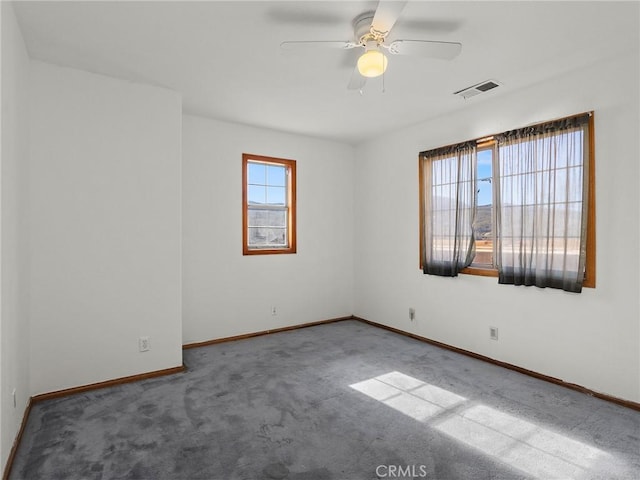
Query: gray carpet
(338, 401)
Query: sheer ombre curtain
(449, 204)
(542, 204)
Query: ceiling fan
(371, 30)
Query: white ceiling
(224, 56)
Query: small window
(268, 205)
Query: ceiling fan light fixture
(372, 63)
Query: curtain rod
(487, 137)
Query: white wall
(14, 327)
(591, 339)
(226, 293)
(105, 227)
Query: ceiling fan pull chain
(383, 81)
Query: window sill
(268, 251)
(492, 272)
(483, 272)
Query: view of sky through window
(483, 225)
(485, 190)
(267, 184)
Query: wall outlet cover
(143, 344)
(493, 333)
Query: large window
(268, 205)
(519, 205)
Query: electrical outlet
(493, 333)
(412, 314)
(143, 344)
(274, 311)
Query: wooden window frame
(290, 166)
(485, 270)
(590, 261)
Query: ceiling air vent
(477, 89)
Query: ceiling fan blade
(425, 48)
(357, 81)
(317, 45)
(386, 15)
(433, 26)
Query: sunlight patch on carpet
(523, 445)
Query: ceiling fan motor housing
(362, 27)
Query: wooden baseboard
(531, 373)
(16, 442)
(107, 383)
(263, 332)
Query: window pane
(266, 237)
(483, 224)
(267, 218)
(575, 184)
(258, 218)
(442, 221)
(444, 197)
(276, 195)
(558, 186)
(485, 169)
(276, 237)
(257, 195)
(257, 237)
(444, 170)
(257, 173)
(276, 176)
(576, 140)
(277, 218)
